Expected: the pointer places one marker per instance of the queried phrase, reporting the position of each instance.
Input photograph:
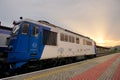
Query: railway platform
(100, 68)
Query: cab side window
(25, 28)
(35, 31)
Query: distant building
(101, 49)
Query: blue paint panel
(33, 43)
(22, 45)
(19, 44)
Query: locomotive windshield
(15, 30)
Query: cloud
(93, 18)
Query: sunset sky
(97, 19)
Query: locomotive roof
(49, 24)
(45, 23)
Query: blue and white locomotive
(34, 41)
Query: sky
(97, 19)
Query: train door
(34, 42)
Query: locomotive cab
(24, 42)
